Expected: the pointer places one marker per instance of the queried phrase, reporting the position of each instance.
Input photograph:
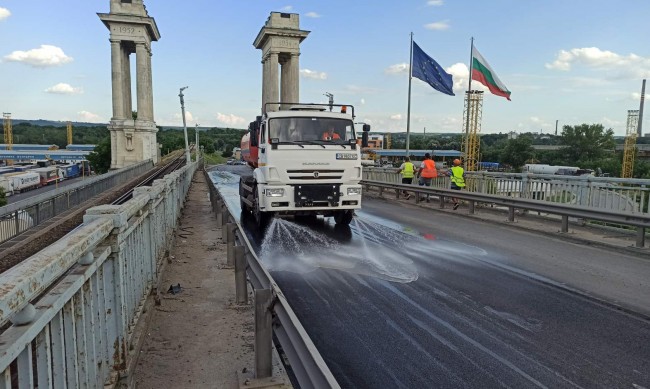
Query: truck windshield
(311, 129)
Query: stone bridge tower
(279, 41)
(131, 31)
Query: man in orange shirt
(330, 134)
(427, 172)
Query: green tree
(100, 158)
(586, 143)
(3, 197)
(517, 151)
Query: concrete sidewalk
(198, 338)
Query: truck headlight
(354, 191)
(276, 192)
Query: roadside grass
(214, 159)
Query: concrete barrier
(74, 308)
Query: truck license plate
(346, 156)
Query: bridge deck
(200, 338)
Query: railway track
(35, 239)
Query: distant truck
(23, 182)
(305, 162)
(536, 168)
(67, 172)
(48, 175)
(7, 185)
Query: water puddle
(228, 185)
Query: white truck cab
(307, 163)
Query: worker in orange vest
(427, 172)
(329, 134)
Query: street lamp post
(187, 145)
(196, 141)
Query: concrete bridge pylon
(132, 30)
(279, 41)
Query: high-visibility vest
(408, 171)
(457, 176)
(429, 170)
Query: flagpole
(469, 88)
(408, 111)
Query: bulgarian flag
(483, 73)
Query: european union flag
(428, 70)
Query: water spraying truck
(305, 162)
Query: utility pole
(556, 127)
(331, 97)
(640, 128)
(187, 145)
(196, 142)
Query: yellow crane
(69, 133)
(9, 136)
(472, 117)
(629, 150)
(8, 132)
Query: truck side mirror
(364, 135)
(253, 129)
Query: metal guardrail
(307, 364)
(16, 218)
(640, 221)
(614, 194)
(69, 312)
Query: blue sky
(575, 61)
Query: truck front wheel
(262, 219)
(343, 217)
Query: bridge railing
(273, 314)
(614, 194)
(640, 221)
(68, 313)
(16, 218)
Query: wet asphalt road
(405, 298)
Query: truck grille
(315, 174)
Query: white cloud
(312, 15)
(608, 123)
(363, 101)
(45, 56)
(435, 2)
(438, 26)
(306, 73)
(4, 13)
(460, 74)
(630, 66)
(64, 89)
(636, 96)
(230, 119)
(189, 118)
(286, 8)
(396, 116)
(400, 68)
(88, 117)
